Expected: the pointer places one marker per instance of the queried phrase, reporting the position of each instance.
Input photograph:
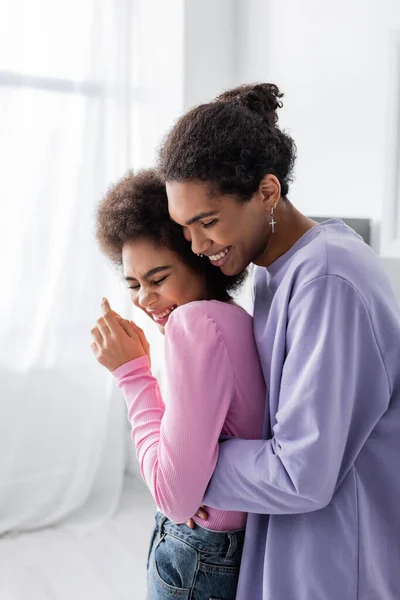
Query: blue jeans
(192, 564)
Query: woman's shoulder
(212, 309)
(194, 315)
(215, 327)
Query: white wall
(210, 41)
(158, 71)
(332, 61)
(392, 267)
(252, 47)
(183, 54)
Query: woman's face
(232, 234)
(159, 281)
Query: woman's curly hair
(231, 142)
(136, 207)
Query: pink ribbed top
(214, 385)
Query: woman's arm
(334, 389)
(178, 449)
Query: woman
(323, 483)
(212, 371)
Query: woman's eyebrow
(150, 273)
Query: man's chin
(229, 272)
(232, 269)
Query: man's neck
(290, 226)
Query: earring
(272, 222)
(201, 255)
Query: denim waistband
(202, 539)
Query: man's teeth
(219, 255)
(165, 313)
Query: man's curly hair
(231, 143)
(136, 207)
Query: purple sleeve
(334, 389)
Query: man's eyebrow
(150, 273)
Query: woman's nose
(146, 297)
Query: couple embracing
(273, 455)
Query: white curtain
(67, 115)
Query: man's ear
(270, 190)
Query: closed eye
(209, 224)
(157, 282)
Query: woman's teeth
(219, 255)
(165, 312)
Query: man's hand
(202, 513)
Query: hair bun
(260, 98)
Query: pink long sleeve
(178, 448)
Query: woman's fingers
(116, 340)
(142, 337)
(112, 323)
(110, 317)
(103, 328)
(136, 327)
(126, 326)
(134, 331)
(143, 340)
(141, 334)
(98, 340)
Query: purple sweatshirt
(323, 485)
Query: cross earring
(272, 222)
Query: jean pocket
(223, 580)
(175, 563)
(153, 537)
